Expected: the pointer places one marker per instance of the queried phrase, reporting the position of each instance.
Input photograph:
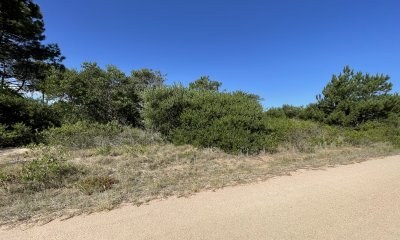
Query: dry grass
(137, 174)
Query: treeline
(353, 108)
(349, 108)
(349, 99)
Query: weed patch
(95, 184)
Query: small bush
(41, 173)
(94, 184)
(4, 178)
(106, 150)
(47, 172)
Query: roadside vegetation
(44, 182)
(96, 138)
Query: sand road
(359, 201)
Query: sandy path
(360, 201)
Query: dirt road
(360, 201)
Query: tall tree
(24, 58)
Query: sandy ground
(360, 201)
(12, 152)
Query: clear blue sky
(283, 50)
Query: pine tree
(24, 59)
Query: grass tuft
(96, 184)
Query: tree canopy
(352, 98)
(205, 83)
(24, 59)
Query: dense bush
(300, 135)
(285, 111)
(206, 118)
(94, 94)
(89, 135)
(313, 112)
(232, 122)
(21, 118)
(100, 95)
(375, 131)
(17, 134)
(163, 107)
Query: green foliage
(204, 83)
(376, 131)
(95, 94)
(17, 109)
(312, 112)
(24, 58)
(163, 107)
(47, 172)
(230, 121)
(147, 78)
(21, 118)
(285, 111)
(67, 113)
(39, 174)
(15, 135)
(105, 150)
(300, 135)
(98, 95)
(353, 98)
(305, 136)
(91, 135)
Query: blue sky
(283, 50)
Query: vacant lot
(358, 201)
(44, 183)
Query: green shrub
(100, 95)
(21, 118)
(47, 172)
(105, 150)
(285, 111)
(35, 175)
(17, 134)
(301, 135)
(374, 132)
(205, 118)
(306, 135)
(91, 135)
(163, 107)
